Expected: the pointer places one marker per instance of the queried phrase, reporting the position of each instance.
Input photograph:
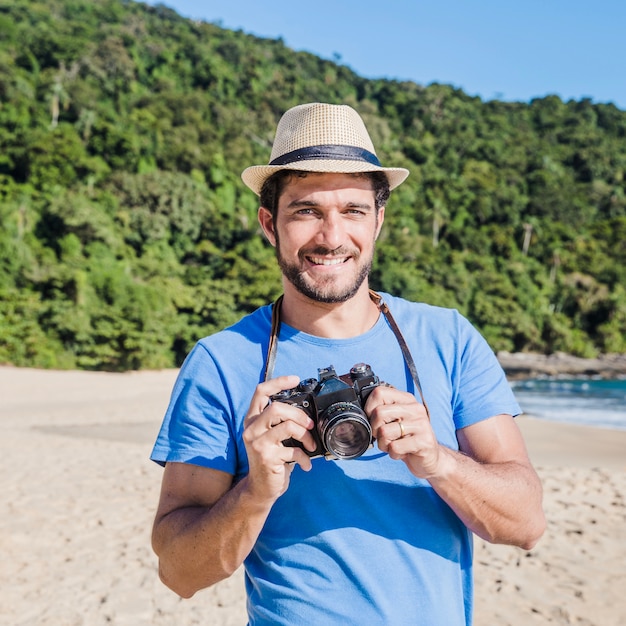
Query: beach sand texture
(79, 495)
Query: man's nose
(331, 231)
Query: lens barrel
(345, 430)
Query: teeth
(326, 261)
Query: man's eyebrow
(366, 206)
(296, 204)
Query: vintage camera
(334, 403)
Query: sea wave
(591, 402)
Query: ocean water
(592, 402)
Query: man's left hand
(401, 427)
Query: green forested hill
(126, 232)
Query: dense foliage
(126, 232)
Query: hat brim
(256, 175)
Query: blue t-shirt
(359, 541)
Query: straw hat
(320, 137)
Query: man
(382, 538)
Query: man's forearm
(500, 502)
(198, 546)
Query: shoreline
(524, 365)
(516, 365)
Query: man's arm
(490, 483)
(205, 527)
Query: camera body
(335, 404)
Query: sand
(79, 493)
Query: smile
(321, 261)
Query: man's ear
(380, 218)
(267, 224)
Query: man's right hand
(266, 425)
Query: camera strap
(270, 361)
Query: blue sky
(504, 49)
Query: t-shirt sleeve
(198, 425)
(482, 389)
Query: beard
(324, 290)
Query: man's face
(324, 233)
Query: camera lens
(345, 430)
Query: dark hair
(275, 184)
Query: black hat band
(341, 153)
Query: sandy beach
(79, 494)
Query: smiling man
(324, 228)
(379, 534)
(335, 218)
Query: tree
(126, 232)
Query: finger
(265, 390)
(385, 395)
(384, 419)
(392, 432)
(289, 429)
(277, 423)
(304, 461)
(410, 411)
(278, 413)
(301, 458)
